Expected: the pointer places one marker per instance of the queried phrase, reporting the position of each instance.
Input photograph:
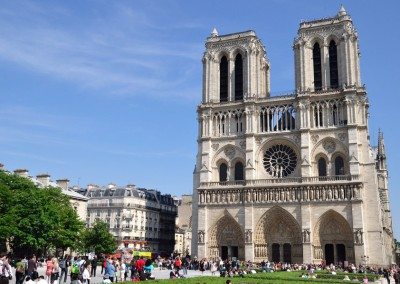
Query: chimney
(22, 172)
(92, 186)
(44, 179)
(63, 183)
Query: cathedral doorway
(226, 239)
(333, 239)
(287, 253)
(278, 237)
(276, 254)
(329, 254)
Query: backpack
(75, 268)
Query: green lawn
(276, 277)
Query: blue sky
(106, 91)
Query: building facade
(78, 201)
(183, 233)
(290, 178)
(138, 218)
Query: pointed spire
(214, 32)
(381, 145)
(342, 11)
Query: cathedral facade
(289, 178)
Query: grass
(276, 278)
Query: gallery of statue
(289, 178)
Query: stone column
(248, 237)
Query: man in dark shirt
(32, 265)
(94, 266)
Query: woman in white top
(122, 271)
(86, 273)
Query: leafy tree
(34, 219)
(99, 239)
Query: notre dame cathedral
(289, 178)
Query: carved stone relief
(329, 146)
(230, 152)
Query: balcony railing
(274, 181)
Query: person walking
(110, 270)
(86, 274)
(55, 273)
(32, 265)
(49, 269)
(94, 266)
(19, 272)
(64, 268)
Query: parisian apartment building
(139, 218)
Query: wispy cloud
(123, 50)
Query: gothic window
(280, 160)
(238, 77)
(339, 166)
(317, 67)
(239, 174)
(335, 115)
(223, 172)
(318, 116)
(333, 65)
(321, 167)
(223, 79)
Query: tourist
(94, 266)
(122, 271)
(28, 280)
(41, 280)
(74, 279)
(49, 269)
(55, 273)
(32, 265)
(106, 279)
(64, 264)
(110, 270)
(5, 268)
(86, 273)
(140, 264)
(19, 272)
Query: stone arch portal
(226, 239)
(333, 239)
(278, 237)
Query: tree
(98, 239)
(33, 219)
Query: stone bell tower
(326, 54)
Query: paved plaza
(159, 274)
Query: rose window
(280, 160)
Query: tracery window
(239, 173)
(317, 67)
(238, 77)
(280, 160)
(339, 166)
(223, 79)
(321, 167)
(333, 65)
(223, 172)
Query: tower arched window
(321, 167)
(223, 172)
(238, 77)
(339, 166)
(333, 65)
(239, 174)
(223, 79)
(317, 67)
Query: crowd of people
(82, 269)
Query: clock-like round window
(280, 160)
